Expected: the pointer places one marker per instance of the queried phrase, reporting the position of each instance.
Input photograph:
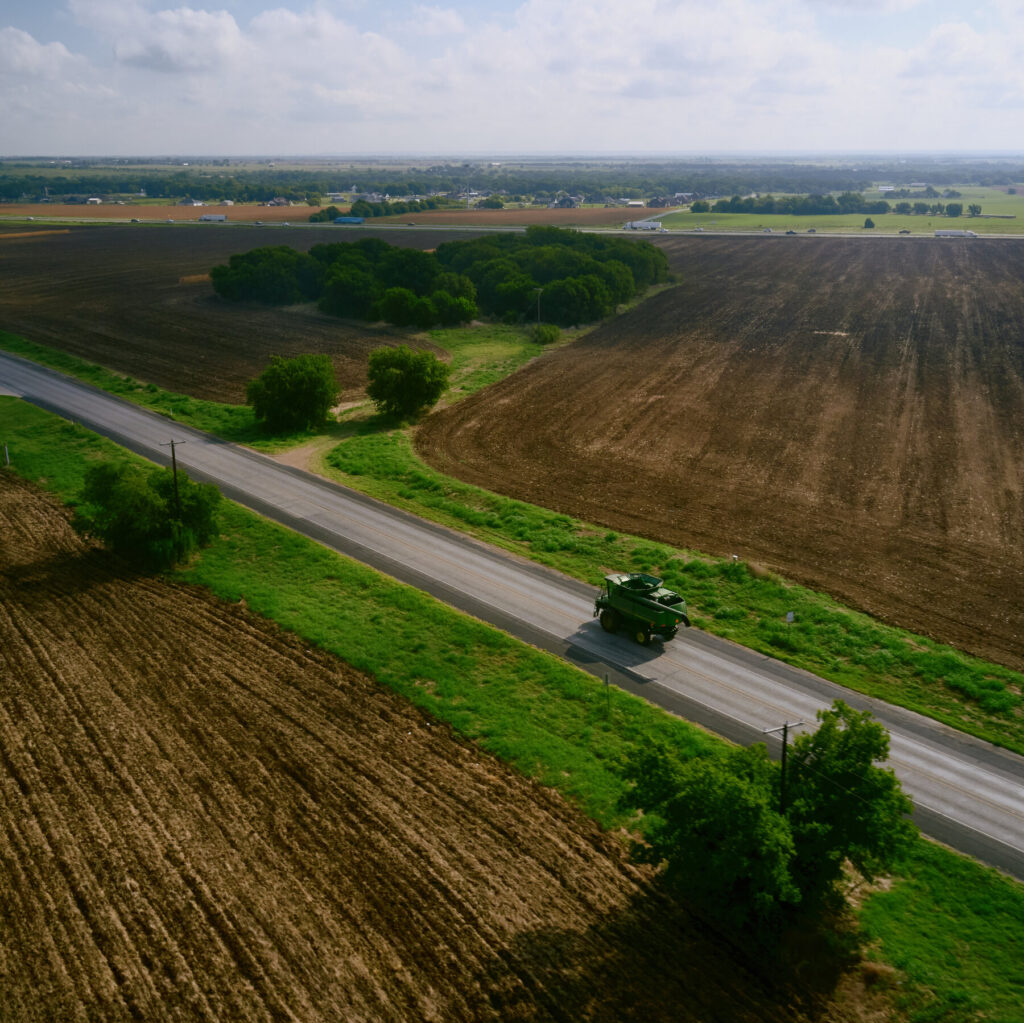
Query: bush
(294, 394)
(404, 383)
(545, 333)
(147, 516)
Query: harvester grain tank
(641, 604)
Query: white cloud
(550, 75)
(437, 21)
(21, 55)
(181, 40)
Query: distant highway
(967, 793)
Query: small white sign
(790, 616)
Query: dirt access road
(847, 412)
(204, 819)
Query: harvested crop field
(847, 412)
(204, 819)
(136, 299)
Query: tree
(404, 383)
(840, 806)
(868, 222)
(726, 844)
(492, 202)
(154, 518)
(974, 209)
(954, 209)
(700, 206)
(294, 394)
(325, 215)
(713, 822)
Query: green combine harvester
(641, 604)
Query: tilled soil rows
(203, 819)
(135, 298)
(847, 412)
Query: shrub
(294, 394)
(405, 383)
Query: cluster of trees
(298, 393)
(561, 276)
(753, 848)
(819, 205)
(367, 279)
(363, 208)
(798, 205)
(566, 276)
(154, 518)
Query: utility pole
(785, 742)
(540, 291)
(174, 471)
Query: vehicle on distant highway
(791, 232)
(904, 230)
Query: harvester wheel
(609, 620)
(642, 636)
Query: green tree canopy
(294, 394)
(405, 383)
(717, 826)
(142, 515)
(840, 806)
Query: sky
(530, 77)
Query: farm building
(950, 233)
(213, 218)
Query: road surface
(967, 793)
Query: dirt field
(846, 411)
(202, 819)
(590, 217)
(158, 214)
(136, 300)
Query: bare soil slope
(136, 300)
(202, 819)
(847, 411)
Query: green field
(991, 201)
(952, 931)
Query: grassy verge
(954, 930)
(730, 599)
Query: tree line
(562, 277)
(596, 180)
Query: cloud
(181, 40)
(437, 21)
(547, 75)
(21, 55)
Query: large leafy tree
(717, 825)
(147, 516)
(840, 805)
(405, 383)
(294, 394)
(713, 823)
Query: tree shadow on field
(65, 574)
(654, 961)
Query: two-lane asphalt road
(967, 793)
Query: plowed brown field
(203, 819)
(136, 300)
(847, 411)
